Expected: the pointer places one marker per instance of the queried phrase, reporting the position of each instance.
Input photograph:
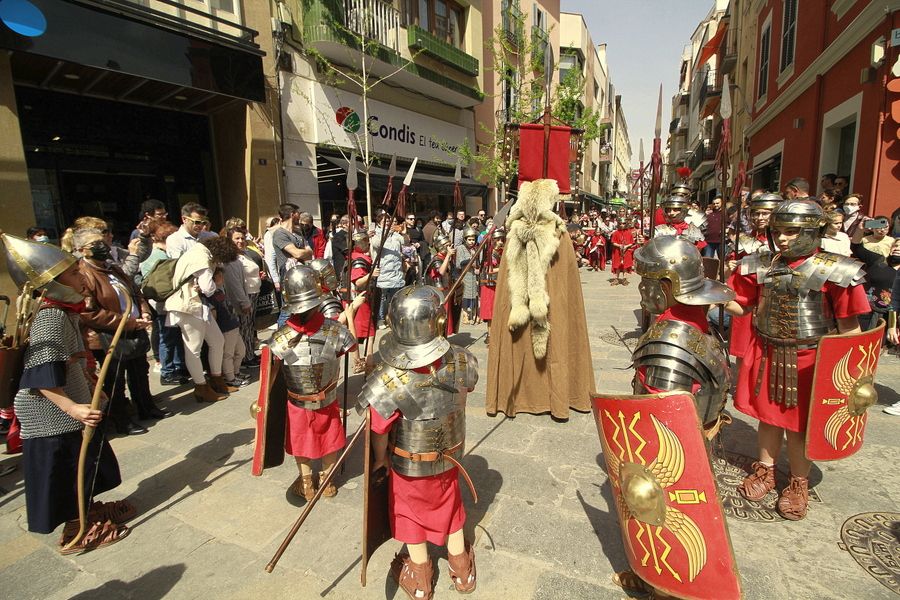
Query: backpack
(158, 285)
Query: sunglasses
(197, 221)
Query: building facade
(823, 105)
(621, 160)
(108, 104)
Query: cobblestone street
(545, 526)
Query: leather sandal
(759, 483)
(330, 490)
(794, 500)
(118, 511)
(631, 583)
(414, 579)
(98, 535)
(462, 570)
(304, 487)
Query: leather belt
(312, 401)
(439, 455)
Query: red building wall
(800, 123)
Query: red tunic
(845, 302)
(486, 301)
(741, 327)
(421, 508)
(597, 250)
(313, 433)
(363, 319)
(621, 261)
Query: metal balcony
(710, 88)
(512, 23)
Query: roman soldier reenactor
(416, 404)
(440, 274)
(682, 376)
(798, 294)
(306, 367)
(761, 208)
(675, 209)
(54, 405)
(331, 306)
(360, 272)
(490, 269)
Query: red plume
(684, 172)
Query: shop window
(788, 34)
(764, 43)
(444, 19)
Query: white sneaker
(893, 409)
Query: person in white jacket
(187, 310)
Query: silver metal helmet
(36, 265)
(417, 318)
(805, 214)
(441, 242)
(360, 238)
(681, 189)
(499, 234)
(767, 201)
(470, 232)
(301, 289)
(682, 203)
(679, 261)
(324, 268)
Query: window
(764, 40)
(596, 91)
(569, 61)
(444, 19)
(510, 94)
(593, 171)
(788, 34)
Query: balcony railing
(374, 20)
(540, 41)
(512, 22)
(709, 88)
(220, 19)
(704, 152)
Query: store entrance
(101, 158)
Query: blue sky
(644, 40)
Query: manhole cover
(618, 338)
(730, 470)
(873, 539)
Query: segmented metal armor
(674, 356)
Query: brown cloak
(564, 379)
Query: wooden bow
(88, 432)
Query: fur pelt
(532, 239)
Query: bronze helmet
(36, 265)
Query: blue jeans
(171, 348)
(386, 295)
(711, 249)
(283, 316)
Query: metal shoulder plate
(693, 234)
(756, 263)
(749, 244)
(331, 307)
(675, 355)
(331, 340)
(827, 266)
(421, 396)
(662, 230)
(361, 263)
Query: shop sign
(391, 129)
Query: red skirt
(621, 261)
(759, 406)
(487, 302)
(313, 433)
(425, 508)
(363, 321)
(741, 335)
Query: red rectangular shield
(672, 522)
(270, 412)
(843, 390)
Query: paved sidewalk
(544, 525)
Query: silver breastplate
(444, 436)
(310, 363)
(675, 356)
(441, 282)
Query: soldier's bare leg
(462, 562)
(769, 438)
(304, 486)
(418, 552)
(762, 479)
(327, 464)
(794, 499)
